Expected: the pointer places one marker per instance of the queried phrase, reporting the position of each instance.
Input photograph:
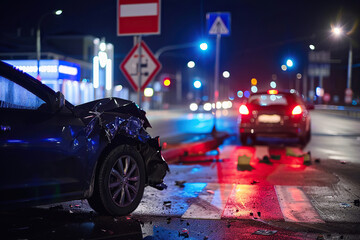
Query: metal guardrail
(353, 112)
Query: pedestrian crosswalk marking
(296, 206)
(252, 201)
(211, 202)
(238, 201)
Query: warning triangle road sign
(218, 27)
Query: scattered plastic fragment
(228, 224)
(180, 183)
(357, 202)
(265, 160)
(254, 182)
(167, 203)
(184, 233)
(275, 157)
(210, 191)
(265, 232)
(160, 186)
(345, 205)
(320, 237)
(307, 158)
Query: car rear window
(268, 99)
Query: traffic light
(166, 82)
(253, 81)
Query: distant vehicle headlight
(207, 107)
(194, 107)
(218, 105)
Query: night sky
(263, 33)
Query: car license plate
(269, 118)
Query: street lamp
(338, 31)
(38, 38)
(289, 63)
(203, 46)
(191, 64)
(226, 74)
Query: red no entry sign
(138, 17)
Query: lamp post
(38, 38)
(338, 31)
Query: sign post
(217, 24)
(137, 18)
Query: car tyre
(120, 182)
(303, 140)
(243, 139)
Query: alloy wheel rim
(124, 181)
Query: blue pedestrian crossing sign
(218, 23)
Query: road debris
(254, 182)
(357, 202)
(180, 183)
(265, 232)
(275, 157)
(317, 160)
(265, 159)
(345, 205)
(167, 204)
(168, 220)
(184, 233)
(259, 214)
(210, 191)
(343, 162)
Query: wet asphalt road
(216, 200)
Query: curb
(172, 155)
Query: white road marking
(211, 202)
(295, 205)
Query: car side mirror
(59, 101)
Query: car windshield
(269, 100)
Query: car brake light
(272, 91)
(243, 110)
(297, 110)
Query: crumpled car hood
(116, 105)
(116, 118)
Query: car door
(41, 155)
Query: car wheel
(305, 139)
(243, 139)
(120, 183)
(308, 135)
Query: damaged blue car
(52, 151)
